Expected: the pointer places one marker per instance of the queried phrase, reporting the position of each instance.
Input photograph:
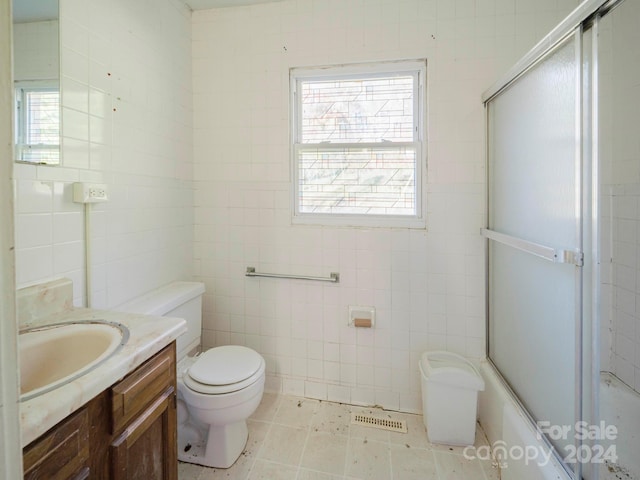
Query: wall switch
(90, 192)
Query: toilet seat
(224, 369)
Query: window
(37, 122)
(357, 135)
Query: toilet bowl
(217, 392)
(218, 389)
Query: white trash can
(450, 386)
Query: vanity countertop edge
(148, 335)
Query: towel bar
(334, 276)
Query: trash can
(450, 386)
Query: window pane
(42, 117)
(38, 125)
(39, 154)
(357, 110)
(374, 181)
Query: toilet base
(223, 446)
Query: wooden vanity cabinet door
(135, 393)
(146, 449)
(144, 421)
(62, 453)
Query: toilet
(218, 389)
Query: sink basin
(54, 355)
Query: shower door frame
(558, 256)
(582, 21)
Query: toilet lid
(191, 384)
(225, 365)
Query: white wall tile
(34, 230)
(620, 304)
(315, 390)
(145, 236)
(338, 393)
(423, 280)
(426, 286)
(33, 196)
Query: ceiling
(206, 4)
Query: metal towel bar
(334, 277)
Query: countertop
(148, 335)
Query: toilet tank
(178, 299)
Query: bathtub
(509, 430)
(620, 406)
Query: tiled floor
(293, 438)
(610, 471)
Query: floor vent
(383, 423)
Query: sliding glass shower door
(534, 233)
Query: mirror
(36, 72)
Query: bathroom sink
(54, 355)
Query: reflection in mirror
(36, 72)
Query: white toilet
(217, 389)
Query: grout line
(346, 456)
(266, 435)
(306, 442)
(253, 461)
(389, 452)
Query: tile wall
(620, 157)
(127, 122)
(427, 285)
(35, 52)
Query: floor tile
(305, 474)
(325, 452)
(263, 470)
(368, 459)
(409, 463)
(416, 436)
(480, 440)
(490, 469)
(292, 438)
(332, 418)
(295, 411)
(188, 471)
(452, 466)
(238, 471)
(284, 444)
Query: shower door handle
(574, 257)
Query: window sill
(372, 221)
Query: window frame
(415, 68)
(21, 90)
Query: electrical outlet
(90, 192)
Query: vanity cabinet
(126, 432)
(62, 453)
(144, 422)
